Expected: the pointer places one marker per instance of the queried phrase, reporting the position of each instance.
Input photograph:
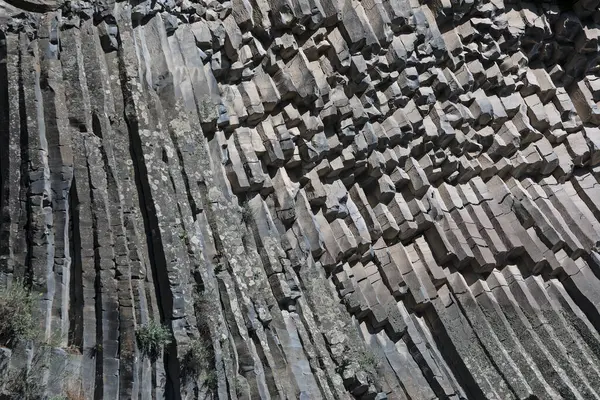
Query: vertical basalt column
(83, 304)
(12, 232)
(39, 196)
(79, 118)
(144, 153)
(5, 217)
(120, 175)
(60, 164)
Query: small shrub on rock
(198, 357)
(212, 380)
(151, 338)
(367, 360)
(17, 321)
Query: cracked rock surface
(336, 199)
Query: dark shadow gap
(76, 281)
(4, 157)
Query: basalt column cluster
(336, 199)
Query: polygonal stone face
(300, 199)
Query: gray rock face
(333, 199)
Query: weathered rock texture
(373, 199)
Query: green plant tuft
(247, 214)
(362, 359)
(212, 380)
(151, 338)
(17, 320)
(239, 389)
(366, 360)
(198, 357)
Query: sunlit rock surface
(331, 199)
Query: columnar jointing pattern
(372, 199)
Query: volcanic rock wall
(338, 198)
